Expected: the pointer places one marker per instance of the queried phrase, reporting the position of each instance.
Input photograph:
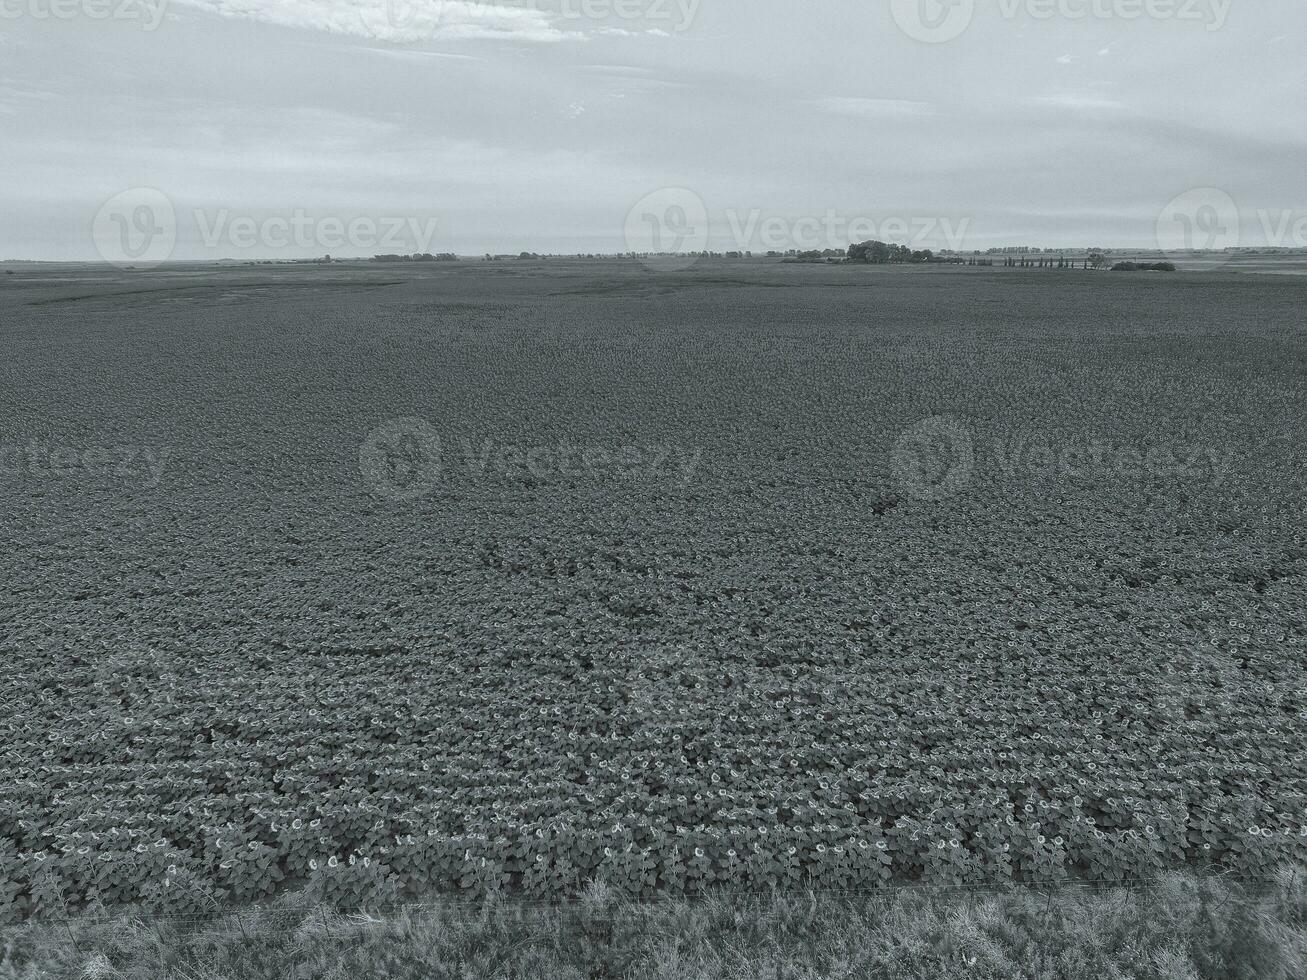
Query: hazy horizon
(535, 254)
(562, 126)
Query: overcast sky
(539, 124)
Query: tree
(877, 253)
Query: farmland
(386, 581)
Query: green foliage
(525, 682)
(1144, 267)
(1183, 927)
(880, 253)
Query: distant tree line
(881, 253)
(1047, 262)
(811, 255)
(1144, 267)
(416, 257)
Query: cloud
(1078, 101)
(399, 21)
(618, 69)
(410, 54)
(872, 108)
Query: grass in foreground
(1183, 927)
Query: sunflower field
(477, 580)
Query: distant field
(389, 579)
(1267, 264)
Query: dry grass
(1182, 928)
